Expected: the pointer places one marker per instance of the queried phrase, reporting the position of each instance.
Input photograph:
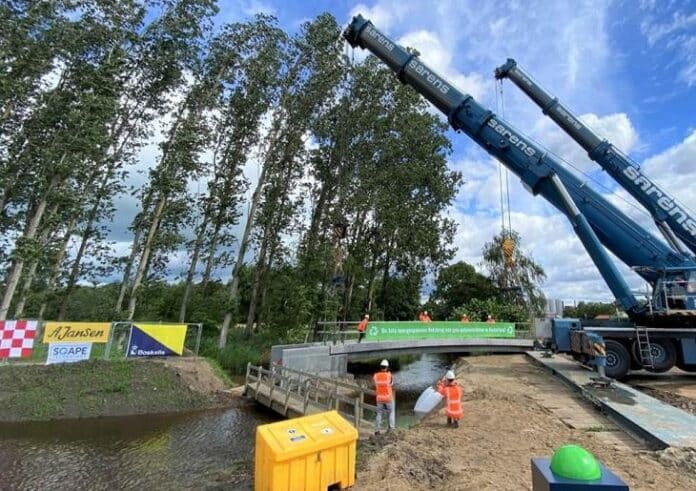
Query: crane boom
(595, 220)
(671, 218)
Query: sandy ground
(513, 411)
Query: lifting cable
(508, 243)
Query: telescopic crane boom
(662, 334)
(671, 218)
(595, 220)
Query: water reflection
(212, 449)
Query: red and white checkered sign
(17, 338)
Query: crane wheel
(664, 355)
(618, 359)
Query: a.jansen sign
(76, 332)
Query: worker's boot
(449, 421)
(455, 423)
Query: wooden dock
(294, 393)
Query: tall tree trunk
(125, 283)
(127, 272)
(192, 268)
(26, 288)
(243, 245)
(145, 257)
(55, 270)
(12, 279)
(31, 274)
(212, 249)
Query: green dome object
(574, 462)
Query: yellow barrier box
(311, 453)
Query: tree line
(345, 215)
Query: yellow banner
(158, 339)
(76, 332)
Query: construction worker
(452, 392)
(362, 326)
(490, 319)
(424, 317)
(465, 318)
(385, 396)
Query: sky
(628, 68)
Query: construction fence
(33, 341)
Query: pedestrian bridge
(332, 359)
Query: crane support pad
(643, 416)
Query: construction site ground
(513, 411)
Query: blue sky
(627, 67)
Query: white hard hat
(384, 363)
(449, 375)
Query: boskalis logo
(513, 138)
(664, 202)
(431, 77)
(157, 339)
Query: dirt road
(513, 411)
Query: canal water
(200, 450)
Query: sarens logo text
(380, 39)
(664, 202)
(513, 138)
(436, 81)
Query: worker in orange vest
(385, 396)
(362, 326)
(491, 319)
(424, 317)
(452, 392)
(465, 318)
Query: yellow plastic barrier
(305, 454)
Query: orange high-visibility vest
(453, 397)
(383, 386)
(362, 325)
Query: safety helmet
(384, 363)
(449, 375)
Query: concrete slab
(392, 348)
(647, 417)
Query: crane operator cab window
(681, 291)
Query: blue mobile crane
(657, 336)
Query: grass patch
(220, 372)
(93, 388)
(600, 429)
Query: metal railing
(289, 391)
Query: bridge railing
(286, 390)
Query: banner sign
(17, 338)
(76, 332)
(68, 352)
(411, 331)
(156, 339)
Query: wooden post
(356, 412)
(246, 379)
(306, 400)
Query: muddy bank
(513, 411)
(115, 388)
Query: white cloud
(677, 37)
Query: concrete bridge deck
(332, 359)
(354, 350)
